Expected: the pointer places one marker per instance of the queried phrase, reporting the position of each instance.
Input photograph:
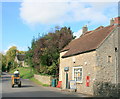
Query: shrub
(106, 89)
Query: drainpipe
(66, 80)
(116, 64)
(116, 55)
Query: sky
(21, 21)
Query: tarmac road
(30, 89)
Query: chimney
(84, 29)
(112, 21)
(117, 21)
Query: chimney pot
(117, 21)
(84, 29)
(112, 21)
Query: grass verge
(25, 72)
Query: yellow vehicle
(16, 80)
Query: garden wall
(43, 79)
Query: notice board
(72, 84)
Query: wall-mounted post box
(87, 81)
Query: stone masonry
(102, 65)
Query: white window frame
(73, 74)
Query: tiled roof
(88, 41)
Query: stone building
(20, 60)
(93, 57)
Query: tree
(21, 52)
(29, 54)
(2, 62)
(43, 55)
(10, 57)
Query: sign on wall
(73, 84)
(66, 69)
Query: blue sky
(23, 20)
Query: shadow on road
(3, 80)
(24, 86)
(3, 73)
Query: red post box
(87, 81)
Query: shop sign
(73, 84)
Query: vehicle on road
(16, 80)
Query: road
(30, 89)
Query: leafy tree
(29, 55)
(7, 61)
(4, 63)
(44, 52)
(10, 57)
(21, 52)
(0, 62)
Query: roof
(88, 41)
(21, 57)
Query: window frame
(77, 67)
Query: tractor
(16, 80)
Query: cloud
(44, 13)
(99, 0)
(47, 12)
(78, 33)
(8, 48)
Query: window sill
(79, 82)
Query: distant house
(93, 57)
(20, 59)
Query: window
(109, 59)
(116, 49)
(77, 74)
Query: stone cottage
(92, 57)
(20, 59)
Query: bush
(106, 89)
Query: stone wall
(43, 79)
(119, 55)
(88, 62)
(102, 65)
(61, 65)
(107, 64)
